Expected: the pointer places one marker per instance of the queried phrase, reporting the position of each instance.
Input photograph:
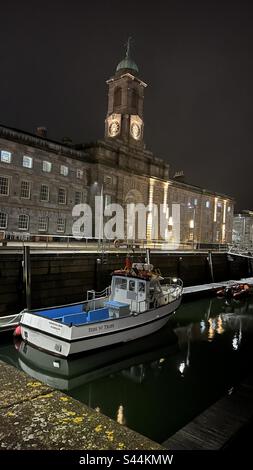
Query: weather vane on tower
(128, 46)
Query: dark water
(157, 384)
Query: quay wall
(58, 278)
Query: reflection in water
(220, 328)
(181, 368)
(237, 339)
(211, 329)
(202, 326)
(235, 343)
(128, 359)
(157, 384)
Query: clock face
(135, 131)
(114, 128)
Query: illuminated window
(27, 162)
(3, 220)
(229, 209)
(25, 189)
(219, 205)
(78, 197)
(79, 174)
(207, 204)
(64, 170)
(108, 199)
(195, 202)
(61, 224)
(5, 156)
(44, 193)
(85, 195)
(62, 196)
(191, 223)
(23, 222)
(47, 166)
(43, 224)
(4, 186)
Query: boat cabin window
(120, 283)
(132, 285)
(141, 286)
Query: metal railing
(93, 295)
(49, 241)
(176, 283)
(241, 250)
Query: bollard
(27, 275)
(210, 262)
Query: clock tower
(124, 120)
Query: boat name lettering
(100, 328)
(53, 326)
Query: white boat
(135, 305)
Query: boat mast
(147, 255)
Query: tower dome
(127, 62)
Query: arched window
(117, 96)
(135, 100)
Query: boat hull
(63, 340)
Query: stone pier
(35, 416)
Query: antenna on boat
(147, 255)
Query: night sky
(196, 57)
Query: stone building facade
(41, 180)
(243, 229)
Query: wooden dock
(219, 424)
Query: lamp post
(97, 190)
(192, 221)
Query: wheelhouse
(131, 291)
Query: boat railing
(173, 281)
(92, 294)
(9, 321)
(174, 287)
